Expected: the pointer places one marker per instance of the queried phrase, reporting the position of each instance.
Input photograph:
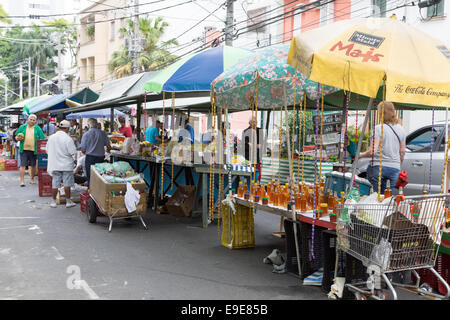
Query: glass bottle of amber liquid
(240, 191)
(245, 186)
(388, 191)
(424, 190)
(303, 202)
(275, 196)
(330, 201)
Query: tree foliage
(154, 52)
(38, 44)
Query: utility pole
(59, 47)
(136, 38)
(6, 91)
(20, 82)
(29, 77)
(229, 23)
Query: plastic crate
(11, 165)
(307, 248)
(45, 184)
(41, 146)
(443, 268)
(42, 160)
(238, 230)
(84, 197)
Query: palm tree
(41, 53)
(154, 53)
(3, 14)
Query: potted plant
(90, 31)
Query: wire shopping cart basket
(391, 237)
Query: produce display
(118, 172)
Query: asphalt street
(48, 254)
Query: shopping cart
(391, 237)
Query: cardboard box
(100, 190)
(61, 198)
(182, 202)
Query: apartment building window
(112, 33)
(436, 10)
(255, 21)
(379, 8)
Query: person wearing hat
(28, 135)
(61, 151)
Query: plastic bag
(353, 197)
(121, 168)
(131, 198)
(104, 167)
(131, 146)
(381, 254)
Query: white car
(422, 146)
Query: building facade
(98, 36)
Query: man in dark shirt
(248, 136)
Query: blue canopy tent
(62, 101)
(102, 113)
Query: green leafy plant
(352, 133)
(90, 31)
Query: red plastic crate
(45, 185)
(444, 271)
(42, 171)
(84, 197)
(45, 190)
(41, 145)
(426, 276)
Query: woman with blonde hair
(393, 148)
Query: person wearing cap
(125, 130)
(61, 150)
(28, 135)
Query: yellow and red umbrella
(357, 54)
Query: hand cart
(391, 237)
(108, 199)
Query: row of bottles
(304, 197)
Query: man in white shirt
(61, 150)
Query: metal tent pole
(361, 137)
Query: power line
(220, 6)
(95, 22)
(86, 12)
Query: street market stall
(360, 55)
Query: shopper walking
(61, 151)
(394, 147)
(93, 145)
(28, 134)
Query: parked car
(419, 145)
